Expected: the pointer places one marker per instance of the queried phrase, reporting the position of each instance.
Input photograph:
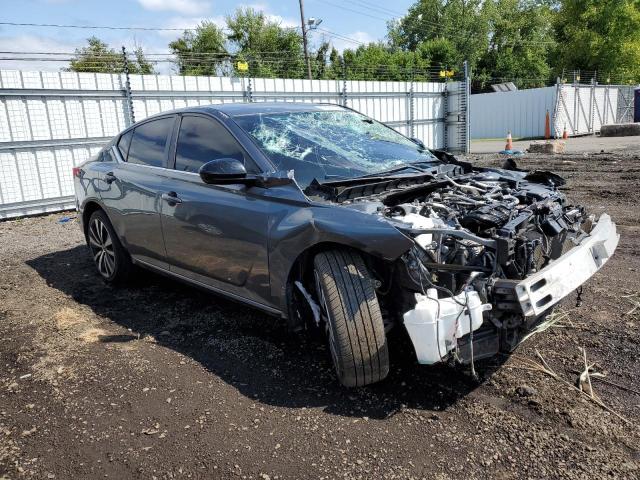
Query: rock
(526, 391)
(27, 433)
(547, 147)
(620, 130)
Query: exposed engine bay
(483, 229)
(488, 259)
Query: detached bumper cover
(547, 287)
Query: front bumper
(543, 289)
(436, 325)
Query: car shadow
(248, 349)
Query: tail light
(77, 171)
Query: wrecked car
(332, 220)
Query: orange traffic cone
(565, 135)
(547, 127)
(509, 145)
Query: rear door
(132, 189)
(215, 234)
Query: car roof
(241, 108)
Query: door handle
(109, 177)
(171, 197)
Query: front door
(214, 234)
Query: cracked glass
(331, 144)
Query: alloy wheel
(101, 245)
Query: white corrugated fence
(580, 109)
(51, 121)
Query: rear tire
(111, 259)
(355, 327)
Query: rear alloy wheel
(111, 260)
(355, 329)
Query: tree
(461, 27)
(501, 39)
(201, 51)
(379, 61)
(600, 35)
(521, 43)
(98, 57)
(269, 49)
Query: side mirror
(223, 171)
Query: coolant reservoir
(419, 222)
(435, 324)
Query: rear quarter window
(107, 156)
(149, 143)
(123, 144)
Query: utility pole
(304, 39)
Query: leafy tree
(521, 43)
(438, 53)
(462, 24)
(200, 52)
(378, 61)
(98, 57)
(601, 35)
(269, 49)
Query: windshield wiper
(412, 166)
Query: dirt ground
(159, 380)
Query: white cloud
(185, 7)
(284, 22)
(34, 43)
(341, 44)
(188, 23)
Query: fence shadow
(246, 348)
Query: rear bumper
(547, 287)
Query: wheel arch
(302, 270)
(87, 210)
(90, 206)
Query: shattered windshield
(330, 144)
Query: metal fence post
(343, 94)
(465, 107)
(445, 110)
(127, 88)
(576, 100)
(411, 107)
(248, 93)
(592, 100)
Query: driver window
(201, 140)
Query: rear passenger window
(149, 143)
(123, 144)
(201, 140)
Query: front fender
(295, 230)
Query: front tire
(111, 259)
(355, 327)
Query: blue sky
(361, 20)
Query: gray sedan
(332, 220)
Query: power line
(112, 27)
(94, 27)
(340, 36)
(360, 12)
(382, 10)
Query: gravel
(158, 380)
